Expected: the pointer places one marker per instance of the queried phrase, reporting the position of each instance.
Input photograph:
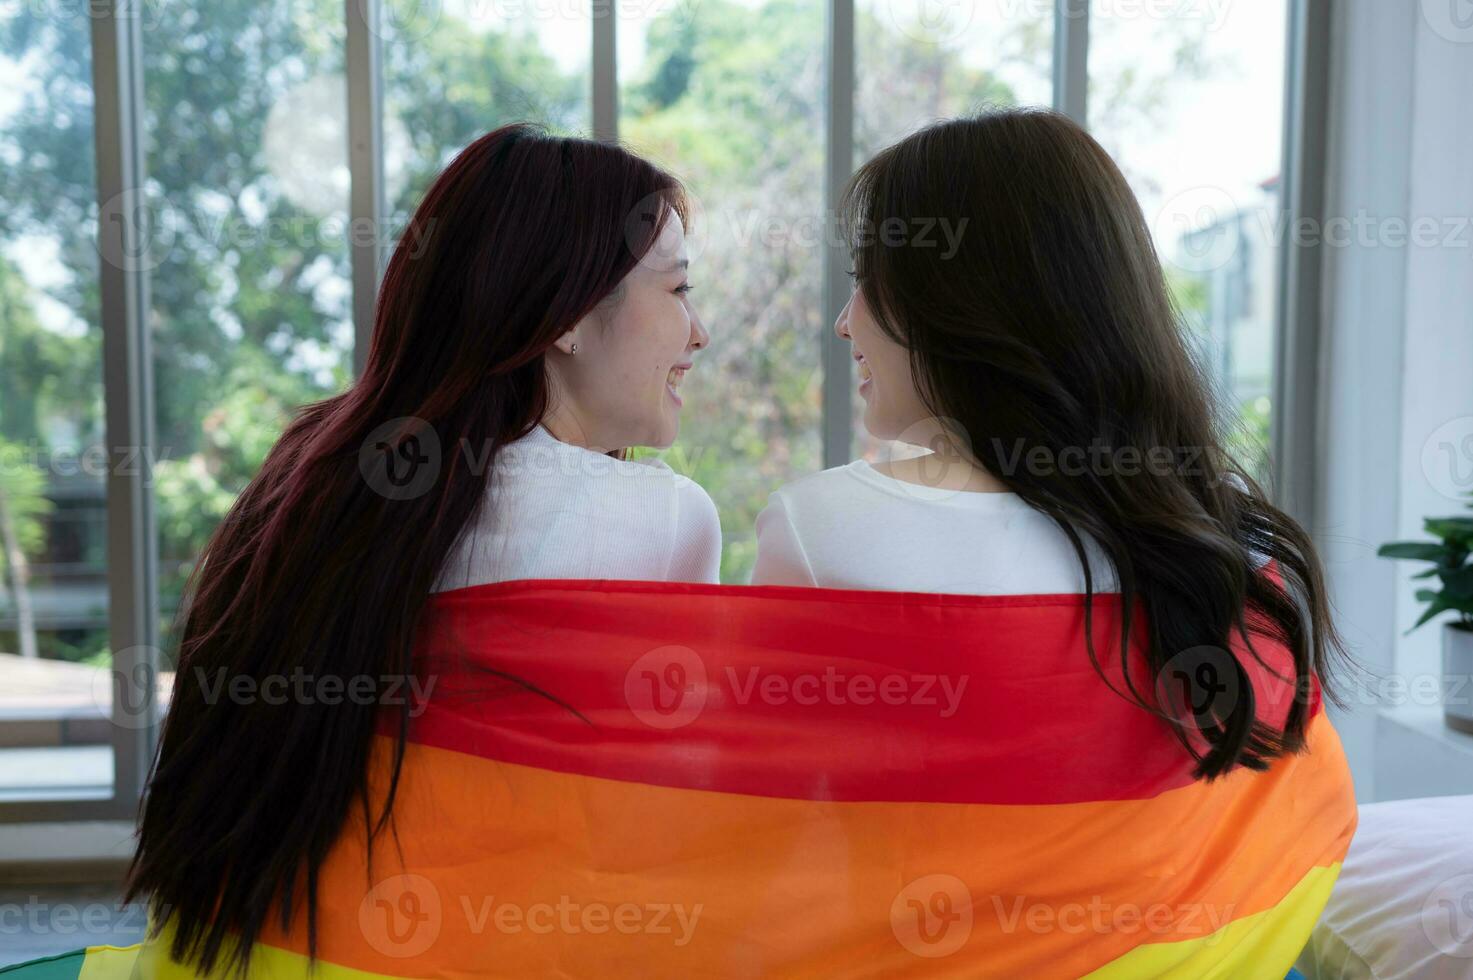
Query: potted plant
(1451, 566)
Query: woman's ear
(568, 343)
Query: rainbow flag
(724, 781)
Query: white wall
(1437, 400)
(1397, 355)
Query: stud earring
(575, 348)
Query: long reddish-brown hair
(327, 558)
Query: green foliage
(1449, 556)
(249, 307)
(1189, 293)
(732, 101)
(23, 507)
(672, 49)
(1250, 435)
(22, 495)
(456, 82)
(48, 375)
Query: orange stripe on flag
(529, 872)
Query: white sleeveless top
(852, 527)
(555, 510)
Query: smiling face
(892, 404)
(621, 386)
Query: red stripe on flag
(825, 694)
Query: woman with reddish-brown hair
(533, 323)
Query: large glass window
(455, 70)
(1190, 103)
(243, 126)
(918, 61)
(248, 260)
(55, 737)
(732, 102)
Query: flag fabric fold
(609, 778)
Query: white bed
(1402, 908)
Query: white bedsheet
(1402, 908)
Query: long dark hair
(324, 563)
(1049, 327)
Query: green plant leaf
(1436, 605)
(1451, 529)
(1458, 583)
(1416, 551)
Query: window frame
(127, 374)
(127, 369)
